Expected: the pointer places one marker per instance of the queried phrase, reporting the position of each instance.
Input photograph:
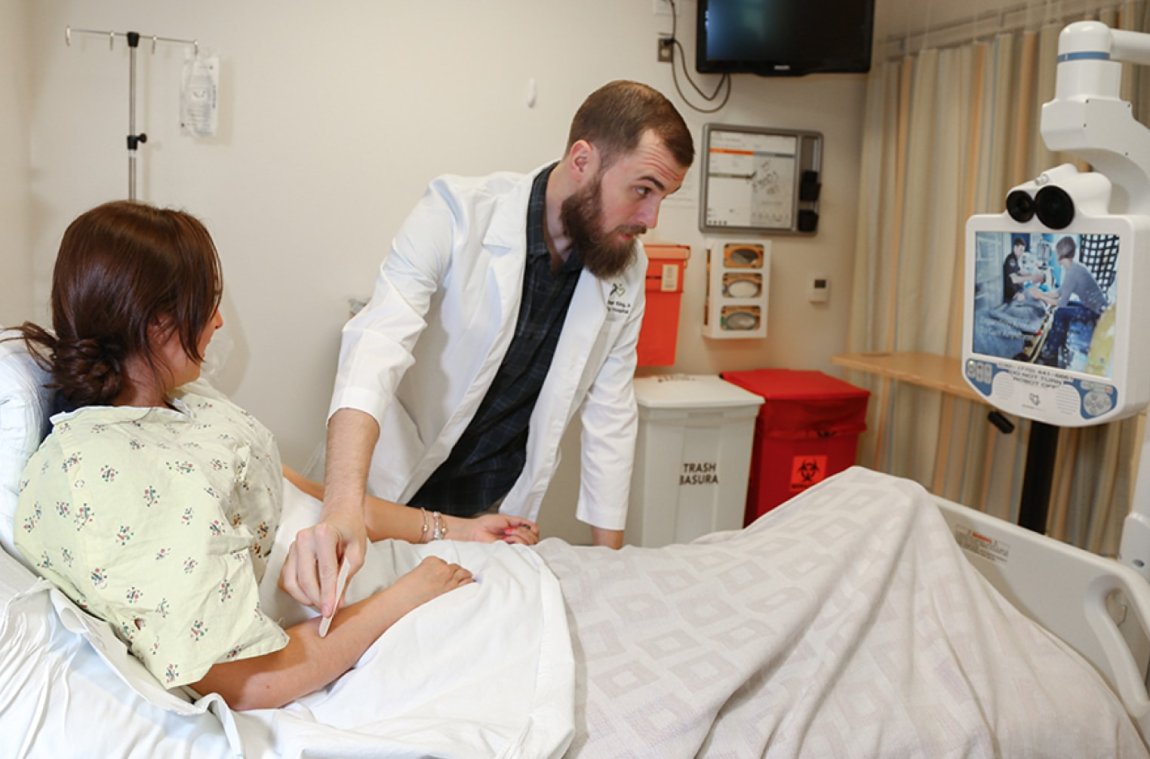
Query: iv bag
(199, 103)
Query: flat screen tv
(784, 37)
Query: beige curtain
(946, 133)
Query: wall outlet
(662, 7)
(666, 52)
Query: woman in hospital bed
(154, 503)
(843, 623)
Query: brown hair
(122, 268)
(614, 118)
(1065, 248)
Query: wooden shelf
(923, 369)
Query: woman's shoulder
(218, 422)
(81, 438)
(209, 406)
(70, 428)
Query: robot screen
(1048, 318)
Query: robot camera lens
(1020, 206)
(1054, 207)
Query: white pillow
(25, 405)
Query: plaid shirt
(492, 451)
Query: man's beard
(582, 217)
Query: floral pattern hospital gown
(160, 522)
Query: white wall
(334, 117)
(15, 93)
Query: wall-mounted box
(659, 332)
(738, 285)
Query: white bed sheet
(845, 623)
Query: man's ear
(583, 159)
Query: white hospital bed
(844, 623)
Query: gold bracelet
(423, 532)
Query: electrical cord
(682, 57)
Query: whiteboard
(752, 178)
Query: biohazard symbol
(807, 471)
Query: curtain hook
(68, 36)
(111, 40)
(196, 48)
(153, 44)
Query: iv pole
(133, 38)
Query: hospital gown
(160, 522)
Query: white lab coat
(421, 355)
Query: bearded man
(507, 305)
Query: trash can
(692, 458)
(807, 430)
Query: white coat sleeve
(610, 424)
(377, 343)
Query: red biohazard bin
(660, 329)
(807, 429)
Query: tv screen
(1047, 299)
(784, 37)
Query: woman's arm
(309, 662)
(392, 520)
(386, 519)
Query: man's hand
(312, 565)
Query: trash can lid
(691, 391)
(794, 384)
(664, 251)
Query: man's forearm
(351, 438)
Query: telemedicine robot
(1057, 310)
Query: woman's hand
(431, 578)
(488, 528)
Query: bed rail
(1099, 607)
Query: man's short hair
(1065, 248)
(614, 117)
(1018, 241)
